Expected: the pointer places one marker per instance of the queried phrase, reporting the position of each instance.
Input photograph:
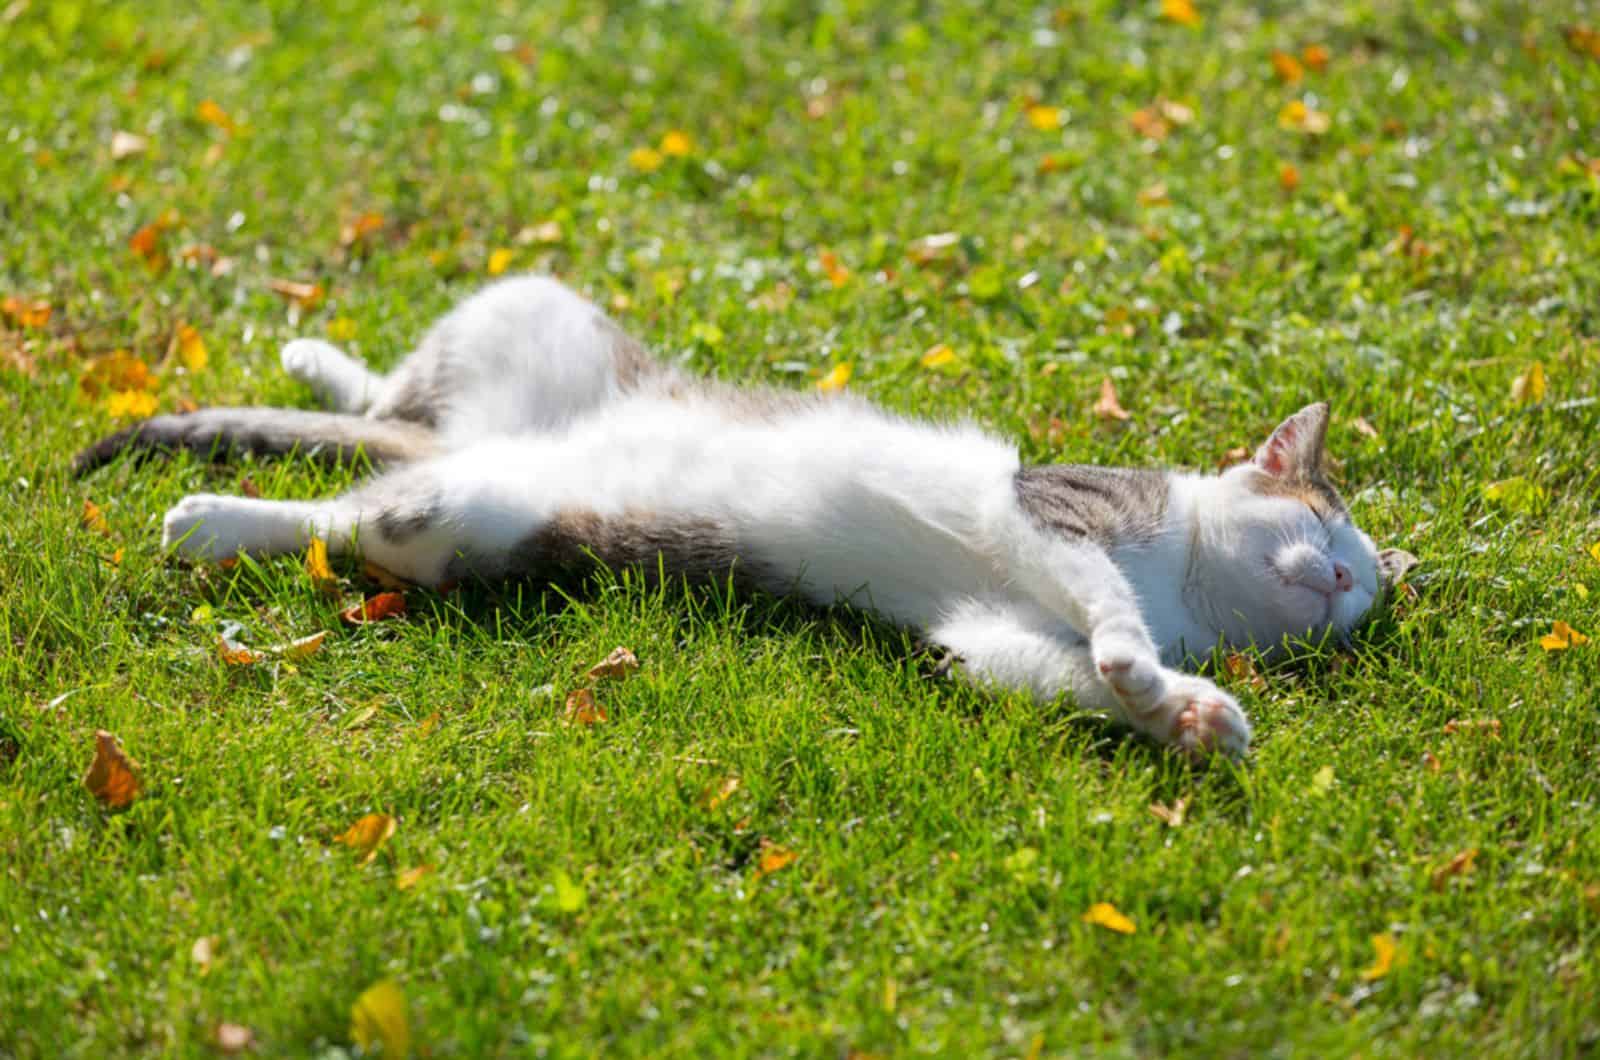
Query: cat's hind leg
(341, 382)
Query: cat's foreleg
(1078, 581)
(340, 381)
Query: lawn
(787, 837)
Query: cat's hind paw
(205, 527)
(1204, 719)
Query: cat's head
(1295, 563)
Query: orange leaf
(209, 112)
(1180, 11)
(1107, 407)
(1288, 176)
(1486, 726)
(94, 519)
(375, 609)
(620, 663)
(774, 858)
(113, 777)
(1287, 67)
(837, 274)
(1242, 668)
(367, 836)
(1459, 865)
(304, 295)
(1315, 56)
(359, 227)
(26, 313)
(1561, 637)
(411, 877)
(235, 654)
(1148, 122)
(1108, 916)
(581, 709)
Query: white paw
(1202, 718)
(206, 526)
(302, 359)
(1129, 666)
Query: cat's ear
(1295, 449)
(1393, 564)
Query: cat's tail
(330, 436)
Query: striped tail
(224, 432)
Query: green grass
(914, 918)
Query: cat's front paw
(1203, 719)
(204, 527)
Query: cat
(528, 435)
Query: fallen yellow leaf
(317, 567)
(1594, 551)
(1107, 407)
(1108, 916)
(1386, 957)
(341, 329)
(131, 404)
(378, 1021)
(367, 836)
(938, 356)
(1528, 388)
(191, 348)
(836, 379)
(304, 647)
(1297, 116)
(113, 777)
(411, 877)
(620, 663)
(676, 143)
(499, 261)
(1561, 637)
(645, 159)
(118, 370)
(1044, 117)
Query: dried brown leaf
(113, 777)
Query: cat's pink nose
(1343, 580)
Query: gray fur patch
(630, 362)
(402, 518)
(1112, 505)
(576, 541)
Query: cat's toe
(1132, 675)
(1208, 720)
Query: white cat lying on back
(527, 435)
